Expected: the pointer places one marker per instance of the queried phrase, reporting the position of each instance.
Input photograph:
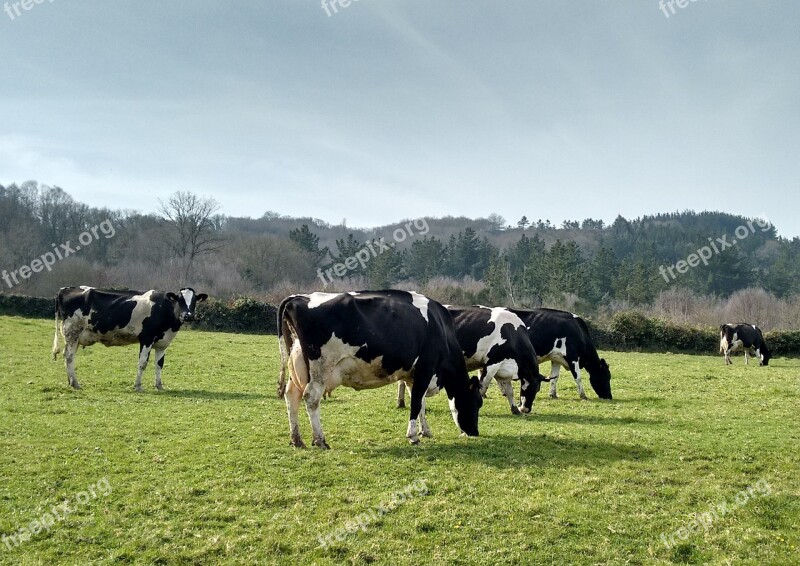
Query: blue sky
(395, 109)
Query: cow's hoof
(320, 442)
(75, 385)
(584, 398)
(414, 441)
(553, 396)
(515, 410)
(401, 404)
(297, 443)
(138, 389)
(160, 387)
(427, 434)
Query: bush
(30, 307)
(632, 330)
(242, 314)
(783, 343)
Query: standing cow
(563, 339)
(369, 339)
(117, 318)
(747, 337)
(496, 341)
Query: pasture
(202, 472)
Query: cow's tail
(284, 346)
(58, 316)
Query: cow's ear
(172, 297)
(474, 383)
(202, 297)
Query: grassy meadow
(202, 472)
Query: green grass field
(202, 472)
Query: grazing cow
(369, 339)
(747, 337)
(496, 341)
(117, 318)
(563, 339)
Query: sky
(381, 110)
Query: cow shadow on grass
(579, 419)
(535, 450)
(212, 395)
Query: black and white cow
(495, 340)
(118, 318)
(747, 337)
(563, 339)
(369, 339)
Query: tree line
(585, 265)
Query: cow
(747, 337)
(368, 339)
(86, 316)
(563, 339)
(495, 340)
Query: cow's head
(600, 380)
(185, 302)
(527, 391)
(465, 407)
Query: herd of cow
(369, 339)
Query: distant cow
(117, 318)
(496, 341)
(563, 339)
(369, 339)
(747, 337)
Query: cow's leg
(418, 390)
(746, 357)
(576, 373)
(144, 356)
(507, 389)
(159, 366)
(728, 357)
(555, 369)
(487, 375)
(70, 349)
(401, 394)
(423, 422)
(312, 396)
(758, 356)
(292, 396)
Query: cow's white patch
(338, 365)
(318, 298)
(557, 354)
(86, 288)
(454, 412)
(421, 302)
(575, 315)
(187, 295)
(500, 317)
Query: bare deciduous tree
(195, 226)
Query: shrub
(31, 307)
